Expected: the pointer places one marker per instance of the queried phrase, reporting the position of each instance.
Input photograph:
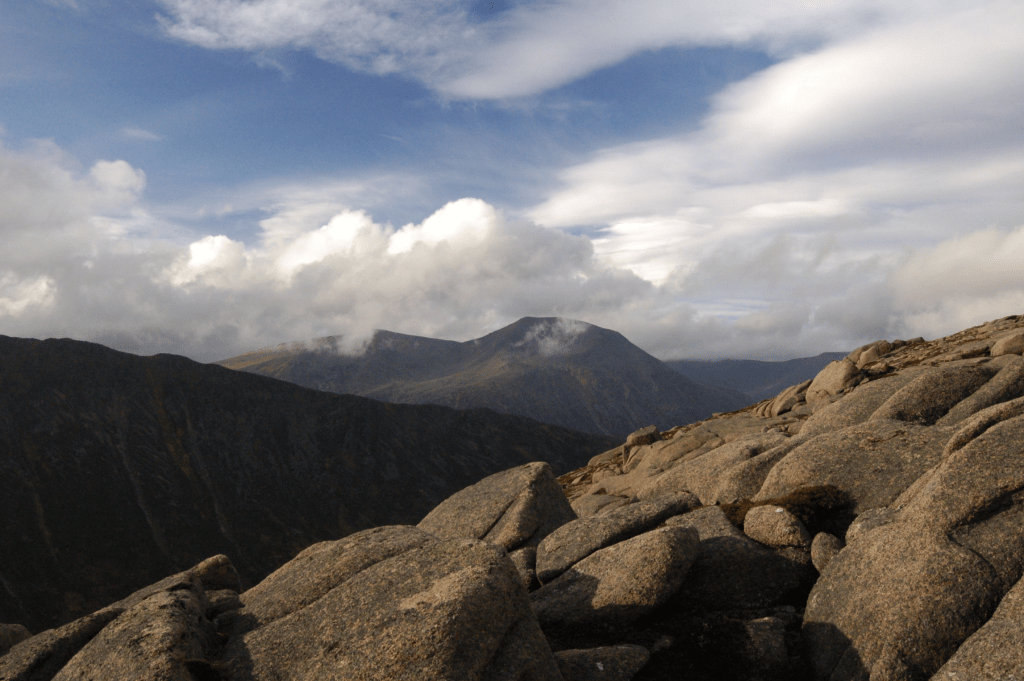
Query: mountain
(865, 524)
(755, 379)
(558, 371)
(116, 470)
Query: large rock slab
(745, 479)
(40, 657)
(514, 508)
(702, 475)
(1011, 344)
(1006, 385)
(899, 600)
(733, 571)
(620, 583)
(576, 540)
(873, 462)
(903, 596)
(152, 641)
(929, 397)
(320, 568)
(832, 380)
(995, 652)
(451, 610)
(858, 405)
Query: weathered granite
(775, 526)
(608, 663)
(576, 540)
(619, 583)
(873, 461)
(448, 609)
(517, 507)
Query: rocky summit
(865, 525)
(560, 371)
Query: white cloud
(825, 185)
(528, 49)
(551, 338)
(18, 294)
(95, 274)
(461, 221)
(380, 36)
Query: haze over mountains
(117, 470)
(756, 379)
(558, 371)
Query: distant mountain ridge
(558, 371)
(116, 470)
(756, 379)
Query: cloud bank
(84, 264)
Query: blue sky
(735, 180)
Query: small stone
(775, 526)
(11, 635)
(611, 663)
(644, 436)
(767, 644)
(525, 560)
(824, 548)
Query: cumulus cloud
(527, 49)
(93, 272)
(83, 263)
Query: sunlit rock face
(560, 371)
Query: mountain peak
(553, 369)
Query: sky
(731, 179)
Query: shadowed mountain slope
(755, 379)
(116, 470)
(557, 371)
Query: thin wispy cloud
(528, 49)
(140, 134)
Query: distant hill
(756, 379)
(117, 470)
(558, 371)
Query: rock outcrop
(871, 530)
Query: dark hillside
(116, 470)
(756, 379)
